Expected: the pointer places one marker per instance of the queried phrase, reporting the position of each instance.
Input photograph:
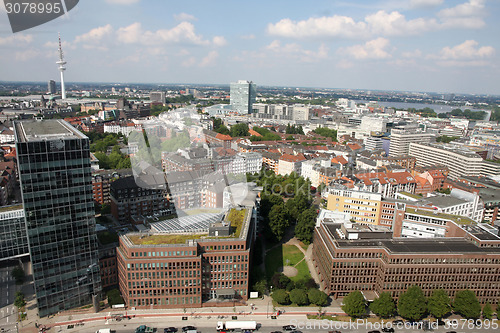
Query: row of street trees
(413, 305)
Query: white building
(460, 162)
(401, 139)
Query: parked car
(374, 332)
(388, 329)
(188, 328)
(288, 327)
(170, 330)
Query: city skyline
(415, 45)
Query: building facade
(242, 96)
(188, 269)
(460, 162)
(13, 240)
(56, 186)
(401, 139)
(350, 257)
(129, 200)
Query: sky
(403, 45)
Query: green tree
(299, 297)
(354, 304)
(261, 287)
(412, 304)
(438, 304)
(290, 137)
(239, 130)
(466, 304)
(280, 296)
(317, 297)
(326, 132)
(278, 221)
(305, 225)
(19, 302)
(487, 311)
(18, 274)
(446, 139)
(384, 306)
(114, 297)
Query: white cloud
(468, 50)
(16, 39)
(219, 41)
(373, 49)
(425, 3)
(183, 33)
(466, 15)
(27, 55)
(95, 35)
(210, 59)
(294, 50)
(185, 17)
(334, 26)
(123, 2)
(395, 24)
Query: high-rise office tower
(51, 87)
(242, 95)
(56, 186)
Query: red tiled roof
(223, 137)
(354, 146)
(339, 160)
(252, 132)
(292, 158)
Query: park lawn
(286, 255)
(303, 274)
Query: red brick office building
(182, 270)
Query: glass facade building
(13, 240)
(242, 94)
(56, 185)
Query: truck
(104, 330)
(232, 325)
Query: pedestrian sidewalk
(263, 309)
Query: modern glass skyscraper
(56, 185)
(243, 95)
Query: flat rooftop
(181, 230)
(455, 218)
(411, 245)
(43, 130)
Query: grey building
(13, 240)
(242, 96)
(56, 186)
(51, 87)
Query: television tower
(61, 64)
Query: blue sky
(410, 45)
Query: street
(8, 313)
(204, 324)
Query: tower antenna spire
(61, 64)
